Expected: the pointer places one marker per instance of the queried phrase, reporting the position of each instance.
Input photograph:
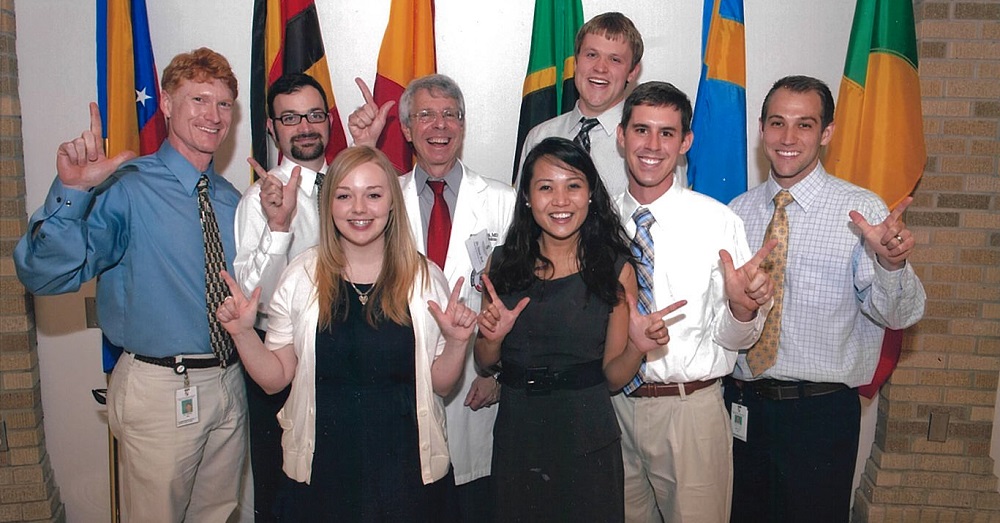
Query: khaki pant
(678, 454)
(169, 473)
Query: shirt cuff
(69, 203)
(276, 242)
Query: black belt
(789, 390)
(543, 380)
(181, 366)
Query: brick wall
(27, 487)
(949, 363)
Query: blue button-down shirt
(140, 233)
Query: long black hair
(602, 238)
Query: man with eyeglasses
(276, 220)
(454, 212)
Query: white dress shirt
(689, 232)
(262, 254)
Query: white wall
(482, 45)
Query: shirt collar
(453, 179)
(308, 184)
(658, 206)
(609, 119)
(806, 191)
(183, 170)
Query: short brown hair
(200, 65)
(613, 26)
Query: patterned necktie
(763, 354)
(642, 250)
(583, 137)
(319, 186)
(439, 228)
(215, 262)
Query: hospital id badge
(739, 419)
(186, 405)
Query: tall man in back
(278, 219)
(607, 52)
(676, 437)
(456, 217)
(157, 231)
(841, 277)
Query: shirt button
(425, 446)
(58, 199)
(422, 412)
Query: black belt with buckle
(789, 390)
(543, 380)
(181, 365)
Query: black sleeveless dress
(366, 466)
(557, 457)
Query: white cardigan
(293, 316)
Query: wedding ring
(899, 238)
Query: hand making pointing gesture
(648, 332)
(496, 320)
(748, 287)
(367, 122)
(891, 240)
(277, 200)
(81, 163)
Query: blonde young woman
(358, 325)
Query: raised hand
(891, 240)
(277, 200)
(457, 321)
(81, 163)
(237, 312)
(649, 332)
(367, 122)
(496, 320)
(748, 287)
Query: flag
(287, 39)
(128, 93)
(548, 86)
(879, 140)
(717, 161)
(407, 52)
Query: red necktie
(439, 229)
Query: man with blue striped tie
(676, 435)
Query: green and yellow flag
(548, 87)
(879, 139)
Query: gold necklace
(362, 296)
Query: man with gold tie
(841, 276)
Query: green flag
(548, 86)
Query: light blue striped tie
(642, 250)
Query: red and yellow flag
(287, 39)
(407, 52)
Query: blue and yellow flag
(717, 161)
(128, 92)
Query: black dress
(366, 466)
(557, 457)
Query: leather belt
(181, 365)
(543, 380)
(779, 390)
(658, 390)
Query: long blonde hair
(400, 260)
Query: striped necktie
(642, 250)
(583, 137)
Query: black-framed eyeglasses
(295, 118)
(428, 116)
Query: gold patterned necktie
(215, 262)
(763, 354)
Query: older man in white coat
(456, 217)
